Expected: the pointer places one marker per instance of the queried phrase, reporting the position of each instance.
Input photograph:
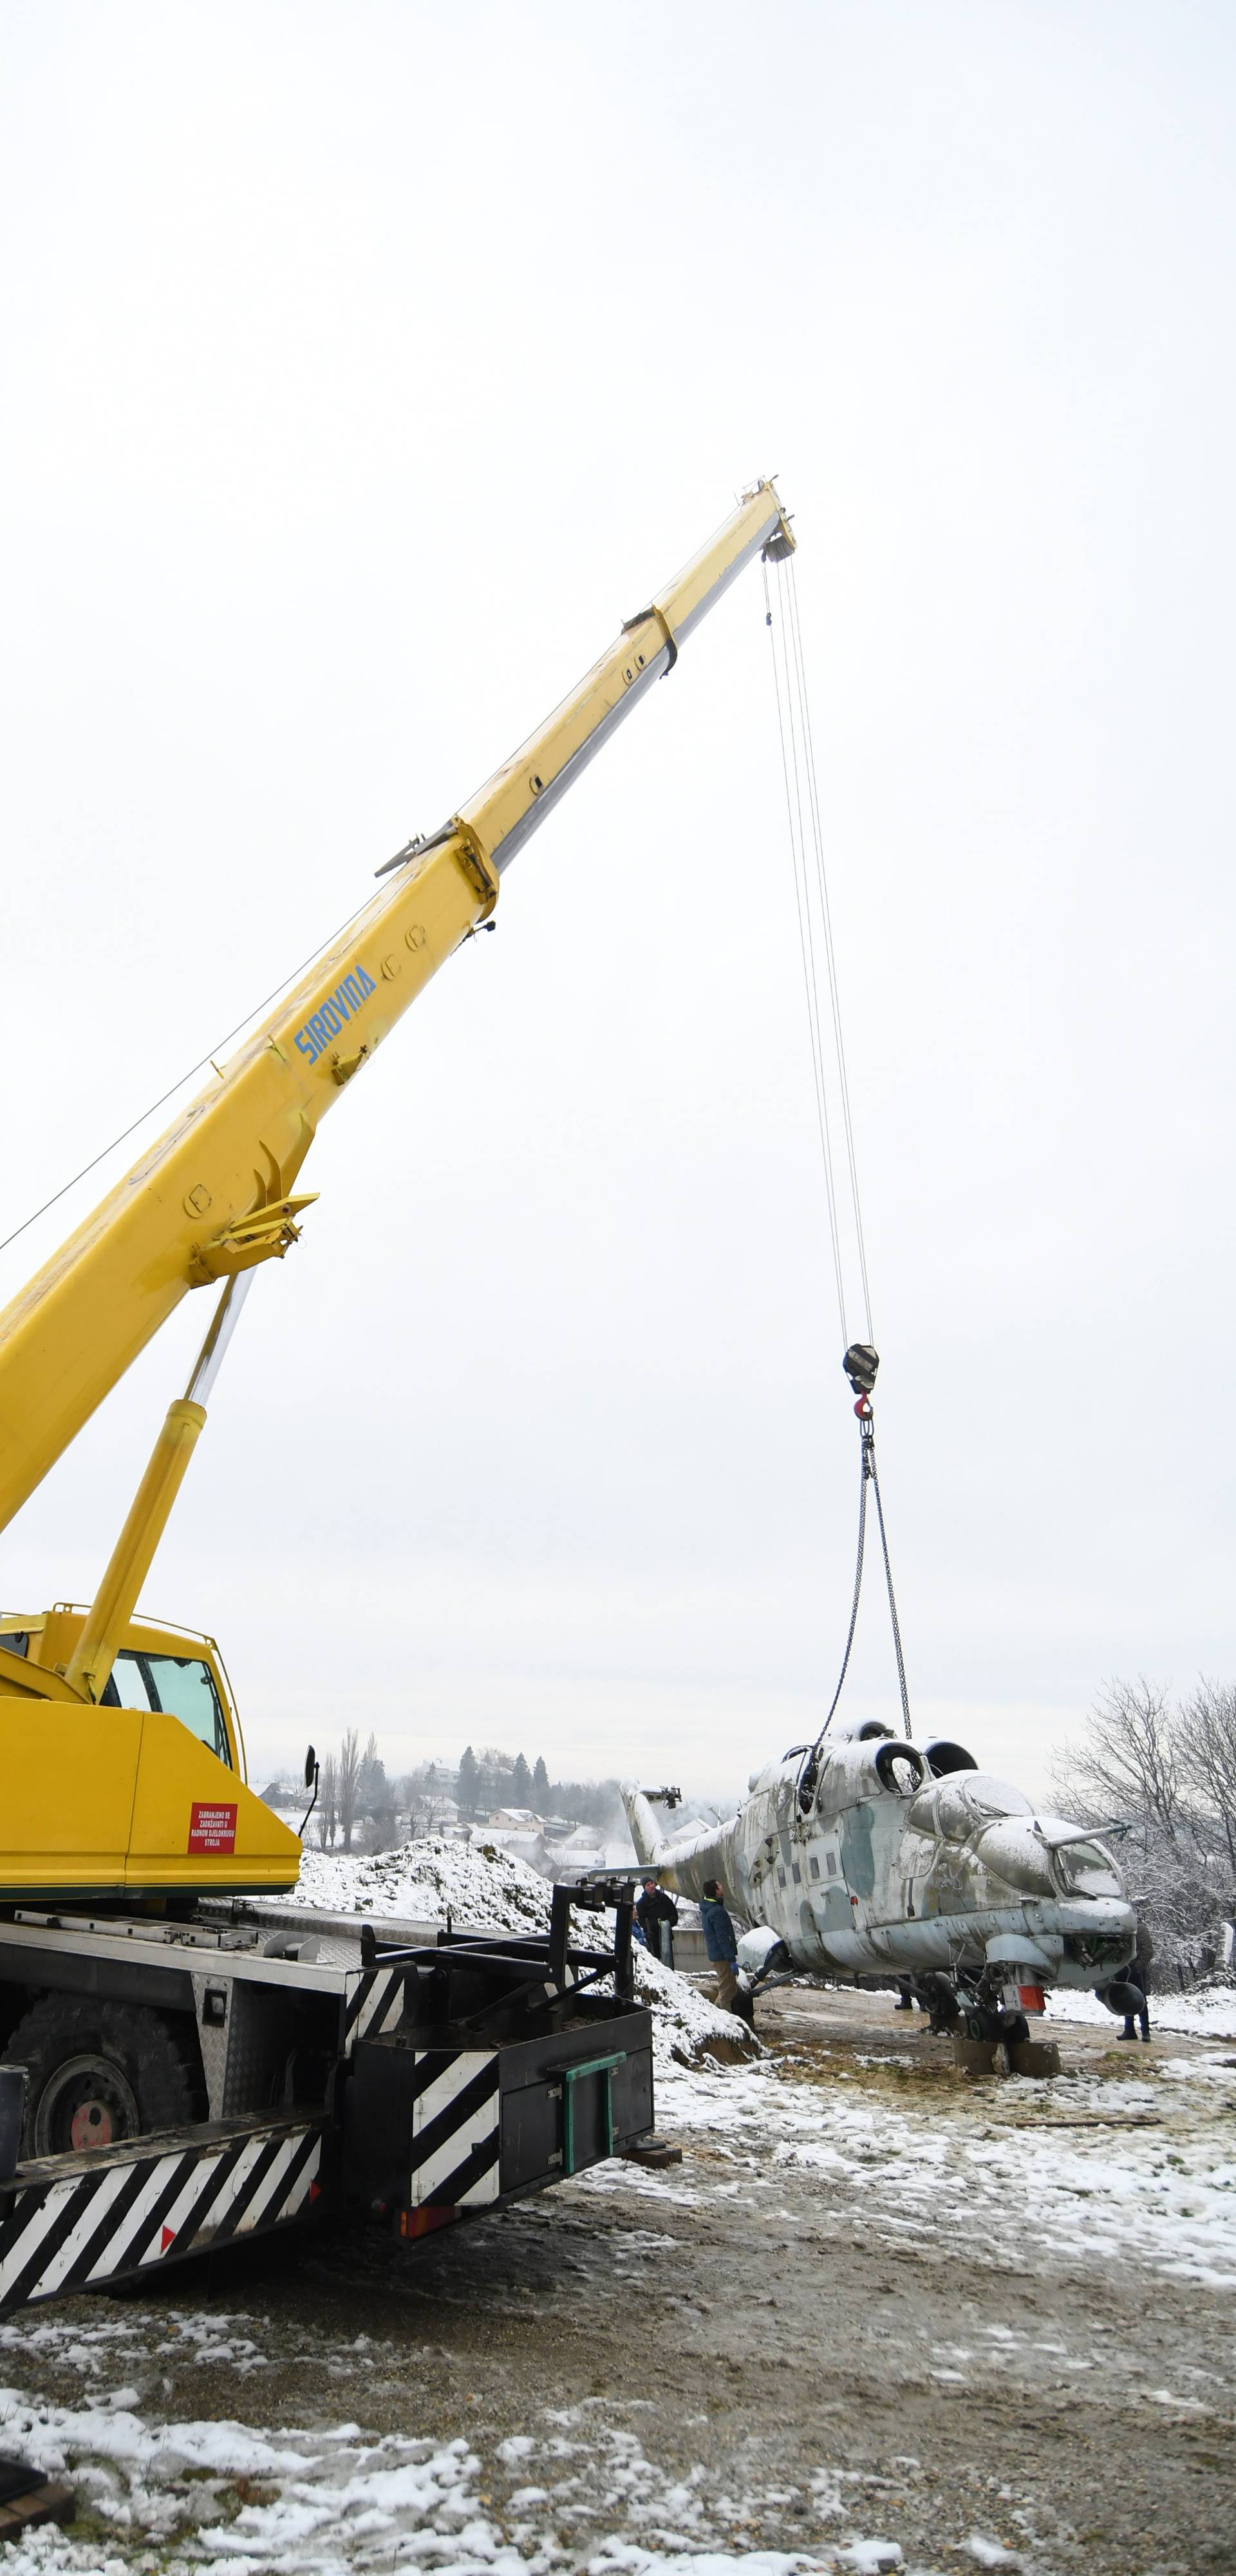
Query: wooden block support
(49, 2502)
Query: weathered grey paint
(926, 1871)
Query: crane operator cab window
(181, 1685)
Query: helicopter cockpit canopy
(964, 1803)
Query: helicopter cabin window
(1085, 1869)
(965, 1804)
(814, 1866)
(831, 1859)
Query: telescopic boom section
(215, 1194)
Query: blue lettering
(342, 1006)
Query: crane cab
(145, 1794)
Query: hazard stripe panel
(455, 2132)
(123, 2212)
(373, 2003)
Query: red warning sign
(211, 1829)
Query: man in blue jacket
(719, 1942)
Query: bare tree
(1207, 1752)
(1171, 1771)
(328, 1803)
(1128, 1763)
(350, 1760)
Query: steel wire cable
(892, 1603)
(802, 894)
(805, 824)
(806, 1776)
(787, 574)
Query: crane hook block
(861, 1365)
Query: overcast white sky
(362, 366)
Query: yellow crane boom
(113, 1795)
(215, 1194)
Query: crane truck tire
(96, 2072)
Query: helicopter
(869, 1857)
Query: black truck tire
(96, 2072)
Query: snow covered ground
(1089, 2168)
(208, 2497)
(1096, 2176)
(1208, 2013)
(312, 2429)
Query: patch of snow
(685, 2024)
(1112, 2190)
(479, 1884)
(1210, 2013)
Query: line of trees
(358, 1806)
(1168, 1766)
(493, 1778)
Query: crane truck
(194, 2064)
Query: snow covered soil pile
(687, 2030)
(481, 1885)
(424, 1881)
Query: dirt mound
(480, 1885)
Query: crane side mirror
(311, 1764)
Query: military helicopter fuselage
(884, 1860)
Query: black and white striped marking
(455, 2131)
(373, 2003)
(116, 2216)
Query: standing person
(719, 1942)
(654, 1910)
(1140, 1976)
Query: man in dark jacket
(719, 1942)
(656, 1915)
(1139, 1976)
